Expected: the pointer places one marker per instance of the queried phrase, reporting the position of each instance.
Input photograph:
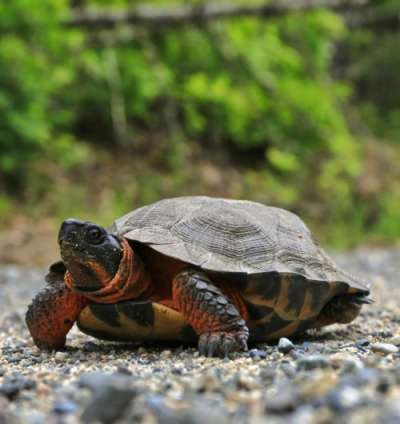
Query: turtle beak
(69, 231)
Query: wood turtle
(220, 271)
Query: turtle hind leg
(342, 309)
(212, 315)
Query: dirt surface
(339, 374)
(29, 242)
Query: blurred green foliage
(257, 97)
(34, 72)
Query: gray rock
(311, 362)
(14, 384)
(286, 400)
(345, 398)
(108, 404)
(285, 345)
(96, 381)
(112, 395)
(197, 411)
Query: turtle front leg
(215, 319)
(52, 314)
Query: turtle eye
(94, 235)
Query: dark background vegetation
(299, 110)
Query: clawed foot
(222, 343)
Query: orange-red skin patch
(130, 281)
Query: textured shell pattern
(232, 236)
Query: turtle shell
(234, 236)
(267, 254)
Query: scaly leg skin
(215, 319)
(342, 309)
(52, 314)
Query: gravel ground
(338, 374)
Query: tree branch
(179, 15)
(385, 22)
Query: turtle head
(91, 255)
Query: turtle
(216, 271)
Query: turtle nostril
(68, 230)
(66, 236)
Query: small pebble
(60, 356)
(285, 345)
(165, 354)
(257, 353)
(362, 342)
(90, 347)
(64, 406)
(385, 348)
